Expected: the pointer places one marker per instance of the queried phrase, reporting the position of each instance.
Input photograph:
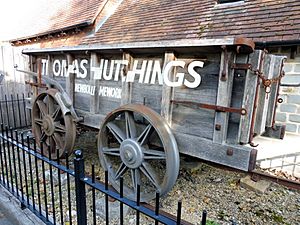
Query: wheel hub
(48, 125)
(131, 153)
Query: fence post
(80, 188)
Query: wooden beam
(168, 92)
(249, 96)
(94, 105)
(70, 80)
(126, 86)
(226, 76)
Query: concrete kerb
(12, 209)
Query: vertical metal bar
(25, 169)
(179, 212)
(19, 110)
(24, 108)
(80, 188)
(59, 190)
(14, 162)
(204, 215)
(156, 207)
(138, 201)
(13, 111)
(5, 158)
(68, 190)
(30, 173)
(121, 203)
(44, 182)
(19, 166)
(7, 113)
(37, 176)
(52, 187)
(1, 112)
(106, 199)
(93, 195)
(9, 161)
(1, 160)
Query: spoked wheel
(49, 126)
(137, 144)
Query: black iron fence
(13, 111)
(59, 191)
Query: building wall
(288, 112)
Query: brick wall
(288, 112)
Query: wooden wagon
(154, 100)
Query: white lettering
(194, 74)
(131, 74)
(56, 67)
(180, 76)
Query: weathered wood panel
(225, 85)
(249, 96)
(273, 93)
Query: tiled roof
(56, 15)
(156, 20)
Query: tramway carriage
(153, 100)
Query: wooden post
(168, 92)
(263, 97)
(126, 86)
(274, 90)
(225, 85)
(70, 79)
(248, 103)
(94, 106)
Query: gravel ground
(199, 186)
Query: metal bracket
(217, 108)
(241, 66)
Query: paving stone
(294, 118)
(258, 186)
(291, 108)
(113, 207)
(294, 99)
(281, 117)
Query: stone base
(277, 132)
(258, 186)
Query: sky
(19, 18)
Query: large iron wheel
(51, 127)
(137, 144)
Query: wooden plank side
(274, 90)
(168, 92)
(214, 152)
(224, 96)
(249, 96)
(263, 97)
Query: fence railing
(13, 111)
(59, 191)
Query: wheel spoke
(111, 151)
(57, 114)
(38, 121)
(136, 178)
(43, 136)
(154, 154)
(116, 131)
(60, 128)
(42, 106)
(130, 125)
(150, 173)
(121, 170)
(143, 138)
(58, 140)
